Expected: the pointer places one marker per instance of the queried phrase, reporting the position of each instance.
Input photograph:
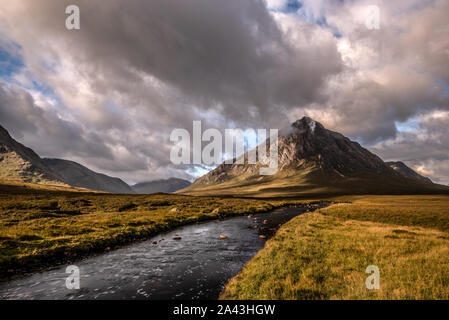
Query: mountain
(20, 163)
(77, 175)
(164, 186)
(312, 160)
(401, 168)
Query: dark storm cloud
(227, 52)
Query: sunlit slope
(20, 163)
(11, 187)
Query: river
(190, 262)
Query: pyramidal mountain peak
(309, 143)
(303, 124)
(313, 159)
(306, 122)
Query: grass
(320, 255)
(43, 226)
(425, 211)
(324, 255)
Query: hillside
(79, 176)
(401, 168)
(20, 163)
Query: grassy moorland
(41, 226)
(324, 255)
(320, 255)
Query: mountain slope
(164, 186)
(79, 176)
(312, 160)
(20, 163)
(401, 168)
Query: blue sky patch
(411, 124)
(10, 60)
(293, 6)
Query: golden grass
(321, 255)
(324, 255)
(425, 211)
(40, 226)
(18, 187)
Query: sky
(109, 95)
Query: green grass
(44, 226)
(323, 255)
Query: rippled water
(195, 267)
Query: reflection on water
(195, 267)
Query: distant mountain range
(312, 161)
(19, 163)
(165, 186)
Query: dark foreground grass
(40, 227)
(324, 255)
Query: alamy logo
(73, 20)
(73, 280)
(372, 21)
(373, 281)
(212, 153)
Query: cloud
(32, 124)
(424, 147)
(138, 69)
(230, 53)
(141, 70)
(391, 75)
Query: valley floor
(324, 255)
(43, 226)
(319, 255)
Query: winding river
(191, 262)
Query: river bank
(39, 231)
(325, 255)
(190, 262)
